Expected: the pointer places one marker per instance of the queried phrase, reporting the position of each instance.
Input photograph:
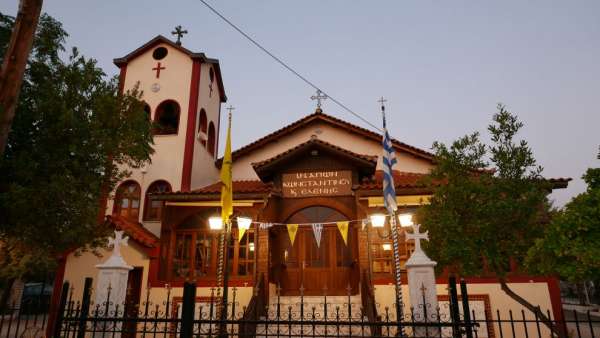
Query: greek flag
(389, 159)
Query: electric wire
(286, 66)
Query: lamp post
(216, 223)
(378, 221)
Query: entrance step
(334, 319)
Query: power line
(300, 76)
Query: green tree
(569, 245)
(489, 204)
(71, 138)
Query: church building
(317, 172)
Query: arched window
(166, 118)
(127, 200)
(211, 139)
(202, 127)
(153, 209)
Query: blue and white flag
(389, 159)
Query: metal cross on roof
(320, 96)
(179, 31)
(382, 101)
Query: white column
(111, 284)
(421, 285)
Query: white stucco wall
(536, 293)
(242, 167)
(204, 171)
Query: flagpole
(226, 212)
(389, 198)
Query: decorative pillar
(111, 288)
(421, 285)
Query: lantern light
(405, 220)
(386, 246)
(215, 223)
(244, 222)
(378, 220)
(251, 246)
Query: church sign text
(317, 183)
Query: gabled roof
(241, 190)
(338, 123)
(366, 162)
(402, 179)
(122, 61)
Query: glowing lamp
(244, 222)
(405, 220)
(378, 220)
(251, 246)
(386, 246)
(215, 223)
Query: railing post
(60, 312)
(85, 307)
(466, 311)
(454, 311)
(187, 310)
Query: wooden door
(316, 267)
(132, 300)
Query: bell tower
(183, 92)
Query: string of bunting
(343, 227)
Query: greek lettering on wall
(317, 183)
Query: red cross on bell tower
(157, 69)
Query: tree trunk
(14, 63)
(557, 328)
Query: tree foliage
(491, 205)
(71, 138)
(569, 245)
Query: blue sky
(442, 65)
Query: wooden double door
(315, 267)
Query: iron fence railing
(302, 316)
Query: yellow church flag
(292, 230)
(227, 189)
(343, 227)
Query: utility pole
(13, 65)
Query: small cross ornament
(417, 236)
(179, 31)
(117, 242)
(319, 97)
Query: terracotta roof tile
(401, 180)
(244, 186)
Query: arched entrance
(316, 267)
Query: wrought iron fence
(301, 316)
(29, 316)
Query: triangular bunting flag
(317, 231)
(241, 232)
(292, 230)
(343, 228)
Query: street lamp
(406, 220)
(378, 220)
(215, 223)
